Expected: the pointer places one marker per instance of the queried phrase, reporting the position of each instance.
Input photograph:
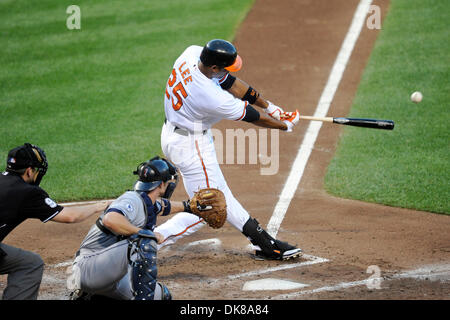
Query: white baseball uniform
(193, 103)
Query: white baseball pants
(195, 157)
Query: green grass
(93, 98)
(410, 166)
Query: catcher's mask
(26, 156)
(154, 172)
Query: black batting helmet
(154, 172)
(222, 54)
(28, 155)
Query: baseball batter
(200, 92)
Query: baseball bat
(357, 122)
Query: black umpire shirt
(20, 200)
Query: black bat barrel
(366, 123)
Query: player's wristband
(271, 109)
(187, 207)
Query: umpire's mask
(26, 156)
(154, 172)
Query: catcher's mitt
(209, 204)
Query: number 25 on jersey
(177, 92)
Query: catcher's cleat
(283, 251)
(79, 295)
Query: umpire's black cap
(26, 156)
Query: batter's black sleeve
(227, 81)
(251, 114)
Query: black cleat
(283, 251)
(80, 295)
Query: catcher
(117, 258)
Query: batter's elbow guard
(251, 114)
(251, 95)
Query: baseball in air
(416, 97)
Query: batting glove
(291, 119)
(274, 111)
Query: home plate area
(272, 284)
(240, 275)
(209, 270)
(216, 271)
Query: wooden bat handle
(324, 119)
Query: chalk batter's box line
(311, 261)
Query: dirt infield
(289, 48)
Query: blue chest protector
(154, 209)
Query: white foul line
(61, 264)
(321, 110)
(82, 203)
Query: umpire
(22, 198)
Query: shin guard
(142, 254)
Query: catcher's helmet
(222, 54)
(154, 172)
(26, 156)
